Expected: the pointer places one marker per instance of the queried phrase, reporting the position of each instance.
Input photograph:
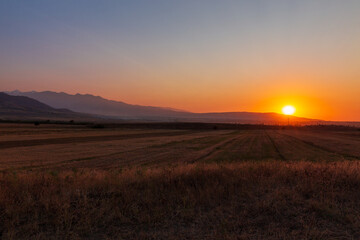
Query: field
(76, 181)
(55, 147)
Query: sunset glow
(288, 110)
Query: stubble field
(73, 182)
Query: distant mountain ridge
(86, 103)
(22, 107)
(90, 104)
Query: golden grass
(265, 200)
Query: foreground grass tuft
(272, 200)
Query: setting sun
(288, 110)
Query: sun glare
(288, 110)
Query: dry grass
(272, 200)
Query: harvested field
(76, 182)
(48, 147)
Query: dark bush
(98, 126)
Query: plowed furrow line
(315, 146)
(214, 149)
(275, 147)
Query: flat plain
(76, 181)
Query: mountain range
(99, 107)
(25, 108)
(86, 103)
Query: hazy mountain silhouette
(22, 107)
(86, 103)
(119, 110)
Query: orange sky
(201, 56)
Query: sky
(198, 55)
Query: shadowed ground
(264, 200)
